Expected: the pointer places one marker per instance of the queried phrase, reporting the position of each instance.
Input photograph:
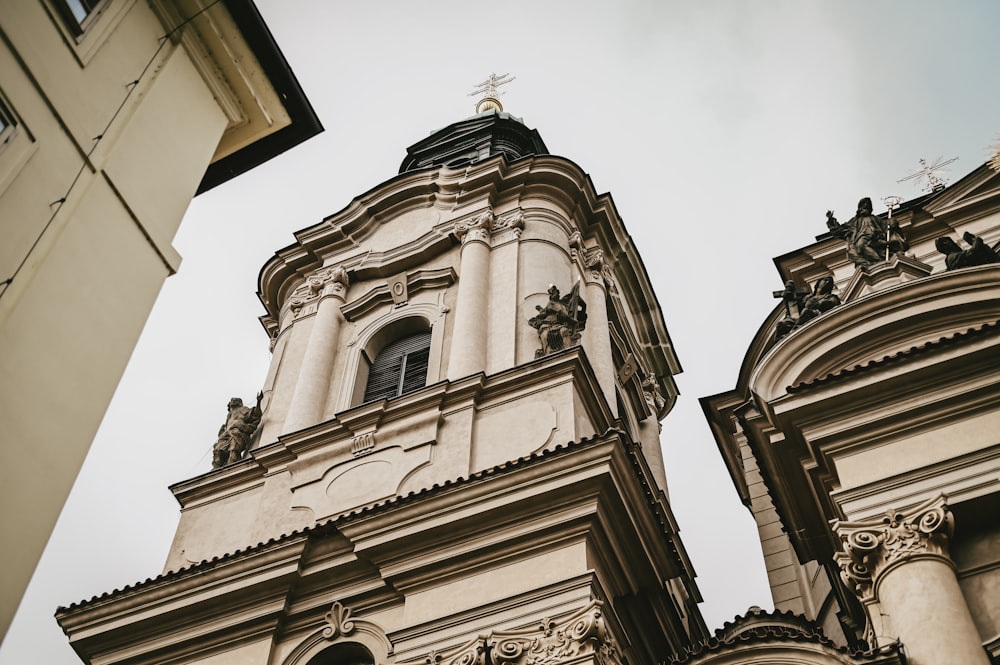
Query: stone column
(468, 339)
(899, 566)
(312, 388)
(597, 334)
(649, 432)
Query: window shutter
(399, 368)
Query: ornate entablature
(578, 638)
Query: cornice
(879, 324)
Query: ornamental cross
(792, 298)
(488, 88)
(930, 172)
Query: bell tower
(456, 457)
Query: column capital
(476, 228)
(319, 284)
(872, 547)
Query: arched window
(345, 653)
(399, 368)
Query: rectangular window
(7, 126)
(79, 13)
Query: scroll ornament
(477, 228)
(513, 222)
(872, 547)
(321, 282)
(338, 621)
(472, 653)
(552, 643)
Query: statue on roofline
(802, 305)
(978, 254)
(869, 238)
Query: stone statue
(236, 432)
(978, 254)
(802, 305)
(822, 299)
(560, 321)
(869, 239)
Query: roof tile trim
(985, 329)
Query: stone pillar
(468, 339)
(649, 432)
(597, 334)
(312, 388)
(899, 566)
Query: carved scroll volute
(872, 548)
(512, 221)
(477, 228)
(553, 642)
(338, 621)
(472, 653)
(322, 282)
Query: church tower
(456, 458)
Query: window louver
(399, 368)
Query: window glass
(78, 11)
(399, 368)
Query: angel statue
(560, 321)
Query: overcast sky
(723, 130)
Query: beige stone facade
(866, 441)
(507, 507)
(111, 120)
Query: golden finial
(488, 88)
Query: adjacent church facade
(455, 455)
(864, 430)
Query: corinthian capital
(477, 228)
(872, 547)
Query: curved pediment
(880, 325)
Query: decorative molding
(363, 444)
(871, 548)
(323, 282)
(416, 281)
(338, 621)
(628, 368)
(575, 244)
(512, 221)
(551, 642)
(339, 624)
(398, 289)
(476, 228)
(471, 653)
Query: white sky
(723, 129)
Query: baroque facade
(455, 455)
(113, 115)
(863, 430)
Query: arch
(343, 640)
(343, 653)
(395, 325)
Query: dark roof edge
(305, 123)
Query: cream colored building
(866, 441)
(113, 114)
(458, 460)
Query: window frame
(375, 334)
